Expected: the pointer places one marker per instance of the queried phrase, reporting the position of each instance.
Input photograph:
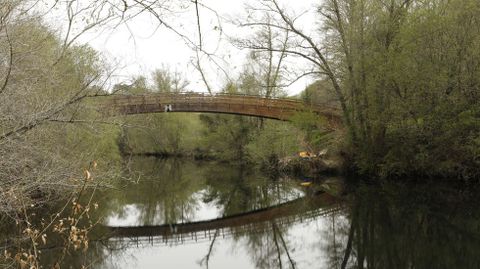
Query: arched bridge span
(248, 105)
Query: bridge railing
(280, 98)
(218, 98)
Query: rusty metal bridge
(248, 105)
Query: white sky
(141, 47)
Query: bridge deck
(280, 109)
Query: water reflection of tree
(163, 193)
(242, 190)
(399, 226)
(237, 189)
(267, 249)
(169, 191)
(270, 248)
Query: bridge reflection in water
(248, 105)
(258, 221)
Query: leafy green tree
(405, 75)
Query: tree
(395, 67)
(167, 81)
(267, 64)
(161, 134)
(46, 84)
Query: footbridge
(257, 221)
(248, 105)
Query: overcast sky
(140, 46)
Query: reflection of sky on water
(132, 213)
(304, 242)
(392, 225)
(184, 256)
(192, 193)
(130, 218)
(205, 211)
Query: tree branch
(10, 61)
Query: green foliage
(228, 136)
(444, 143)
(164, 134)
(312, 126)
(410, 78)
(172, 134)
(247, 139)
(45, 84)
(275, 140)
(319, 93)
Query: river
(185, 214)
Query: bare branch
(198, 66)
(206, 259)
(198, 24)
(10, 61)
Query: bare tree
(268, 46)
(167, 81)
(300, 44)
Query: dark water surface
(184, 214)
